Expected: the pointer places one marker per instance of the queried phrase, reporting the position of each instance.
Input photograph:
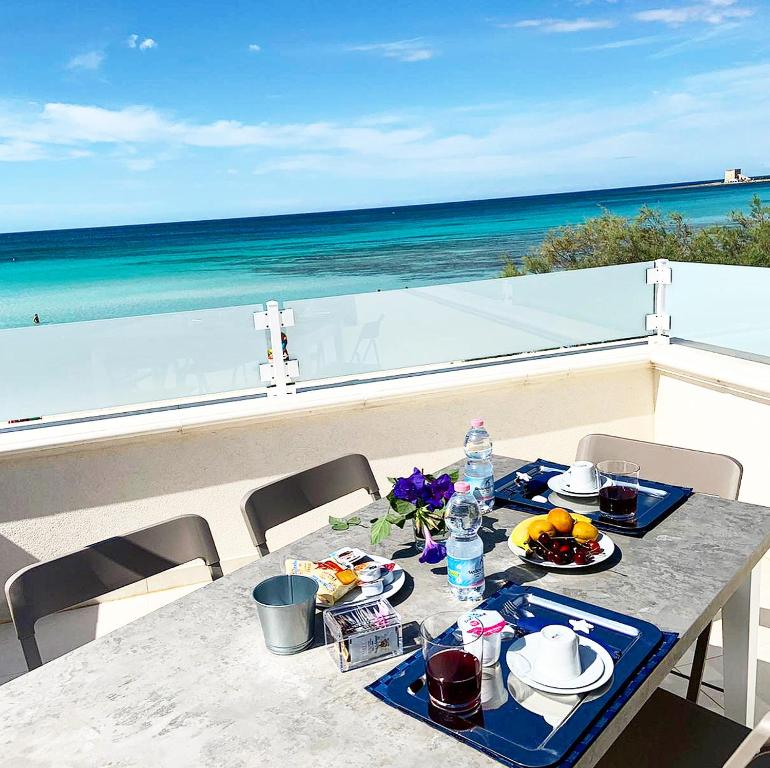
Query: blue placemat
(650, 509)
(514, 732)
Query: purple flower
(417, 479)
(441, 490)
(404, 489)
(422, 489)
(434, 551)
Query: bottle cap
(477, 422)
(462, 487)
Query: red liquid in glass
(454, 679)
(617, 501)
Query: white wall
(55, 501)
(709, 417)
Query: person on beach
(36, 319)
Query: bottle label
(465, 572)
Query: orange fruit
(585, 532)
(561, 520)
(536, 527)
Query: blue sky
(126, 112)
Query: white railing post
(659, 276)
(278, 372)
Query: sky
(130, 111)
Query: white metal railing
(128, 363)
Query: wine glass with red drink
(452, 664)
(618, 489)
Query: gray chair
(273, 504)
(712, 473)
(671, 732)
(44, 588)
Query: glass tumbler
(452, 664)
(618, 489)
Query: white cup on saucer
(582, 477)
(558, 660)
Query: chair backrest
(44, 588)
(273, 504)
(712, 473)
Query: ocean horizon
(138, 269)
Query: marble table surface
(192, 684)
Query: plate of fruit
(560, 539)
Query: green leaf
(340, 526)
(337, 521)
(354, 521)
(454, 475)
(380, 530)
(402, 507)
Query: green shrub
(651, 234)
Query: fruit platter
(560, 539)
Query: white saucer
(598, 665)
(560, 484)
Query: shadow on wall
(50, 484)
(55, 502)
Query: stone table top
(193, 685)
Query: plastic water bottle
(465, 551)
(479, 473)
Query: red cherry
(595, 547)
(564, 548)
(581, 558)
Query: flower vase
(439, 535)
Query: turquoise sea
(85, 274)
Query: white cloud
(18, 151)
(709, 12)
(254, 48)
(627, 43)
(147, 44)
(560, 25)
(414, 49)
(91, 60)
(518, 146)
(132, 41)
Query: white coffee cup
(558, 659)
(582, 477)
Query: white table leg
(740, 626)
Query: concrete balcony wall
(57, 499)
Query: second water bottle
(478, 466)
